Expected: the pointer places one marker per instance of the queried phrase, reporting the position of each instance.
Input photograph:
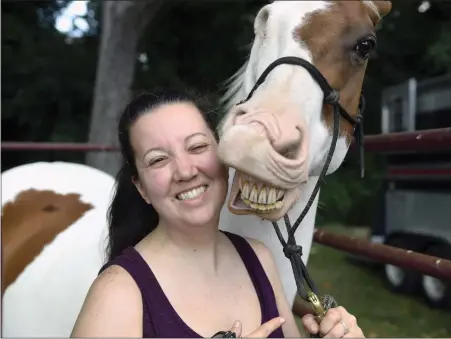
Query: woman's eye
(156, 161)
(199, 148)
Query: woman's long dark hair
(130, 218)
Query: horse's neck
(262, 230)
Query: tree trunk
(122, 25)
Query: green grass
(362, 290)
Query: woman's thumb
(236, 328)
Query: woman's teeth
(192, 194)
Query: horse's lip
(260, 163)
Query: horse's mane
(234, 85)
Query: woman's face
(178, 168)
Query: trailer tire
(436, 291)
(402, 280)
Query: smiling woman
(144, 191)
(169, 265)
(181, 150)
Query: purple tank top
(160, 320)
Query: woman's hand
(337, 323)
(261, 332)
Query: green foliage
(196, 44)
(346, 198)
(439, 53)
(47, 81)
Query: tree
(122, 25)
(47, 82)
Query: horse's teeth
(263, 207)
(245, 190)
(254, 194)
(271, 195)
(259, 193)
(262, 196)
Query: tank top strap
(131, 261)
(258, 276)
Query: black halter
(291, 250)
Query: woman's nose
(185, 169)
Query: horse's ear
(260, 22)
(383, 6)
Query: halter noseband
(291, 250)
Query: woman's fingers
(236, 328)
(262, 332)
(338, 331)
(332, 318)
(310, 324)
(267, 328)
(338, 323)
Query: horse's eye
(364, 47)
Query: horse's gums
(32, 221)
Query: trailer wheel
(436, 291)
(402, 280)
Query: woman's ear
(140, 189)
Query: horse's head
(281, 135)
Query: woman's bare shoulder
(264, 254)
(113, 307)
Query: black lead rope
(293, 251)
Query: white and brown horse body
(53, 235)
(277, 141)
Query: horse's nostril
(289, 145)
(240, 112)
(289, 152)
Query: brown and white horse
(53, 239)
(276, 142)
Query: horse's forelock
(372, 6)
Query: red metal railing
(428, 265)
(56, 146)
(436, 267)
(428, 140)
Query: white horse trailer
(415, 200)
